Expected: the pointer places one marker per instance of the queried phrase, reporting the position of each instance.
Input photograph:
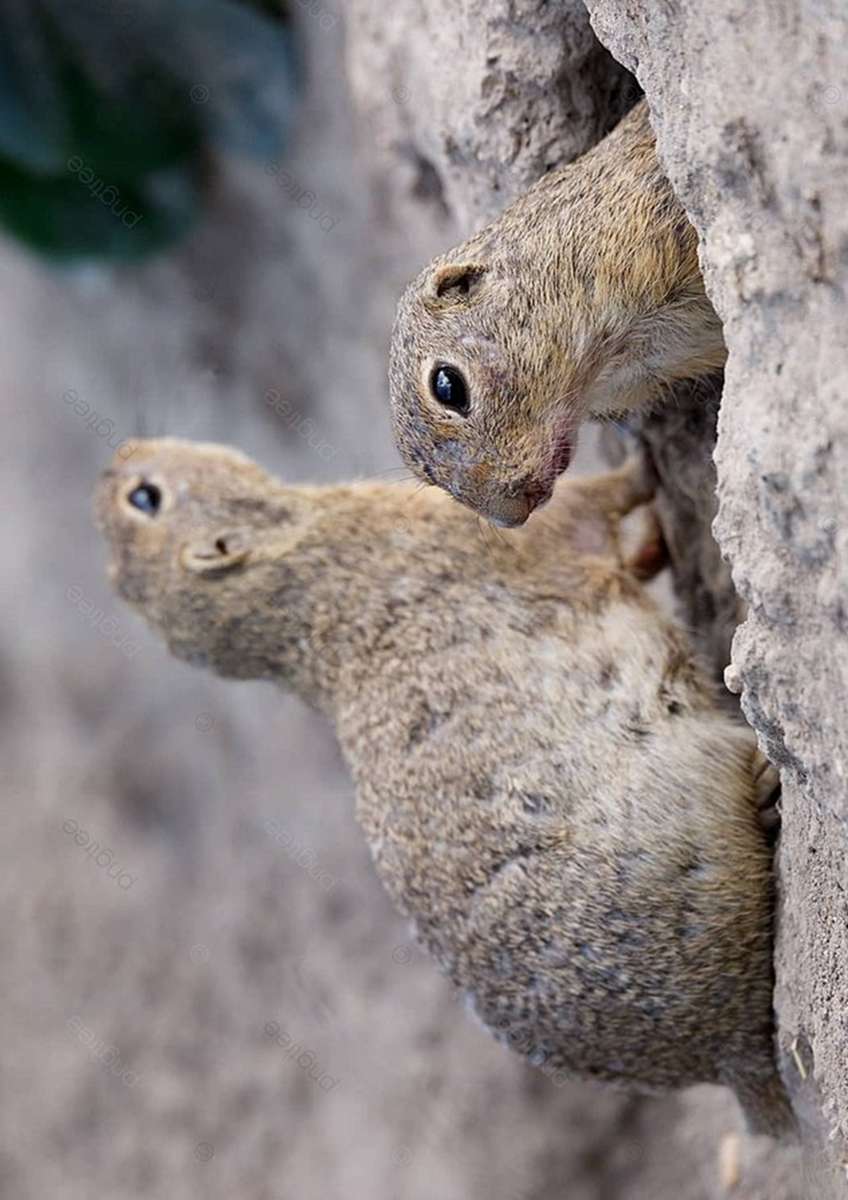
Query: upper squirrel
(546, 782)
(584, 298)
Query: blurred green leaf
(68, 219)
(107, 109)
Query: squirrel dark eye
(146, 498)
(448, 387)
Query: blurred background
(205, 231)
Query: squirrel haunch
(546, 782)
(583, 298)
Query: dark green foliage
(108, 109)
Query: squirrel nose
(511, 506)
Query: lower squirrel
(583, 298)
(547, 785)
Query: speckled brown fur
(583, 298)
(547, 786)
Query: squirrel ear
(455, 281)
(216, 553)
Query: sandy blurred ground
(151, 997)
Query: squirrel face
(470, 399)
(185, 529)
(584, 298)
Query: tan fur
(583, 298)
(547, 785)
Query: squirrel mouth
(540, 493)
(511, 505)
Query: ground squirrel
(583, 298)
(547, 786)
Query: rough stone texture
(750, 104)
(477, 100)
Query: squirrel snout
(510, 506)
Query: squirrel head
(497, 359)
(198, 537)
(477, 379)
(584, 298)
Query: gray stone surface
(750, 104)
(474, 101)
